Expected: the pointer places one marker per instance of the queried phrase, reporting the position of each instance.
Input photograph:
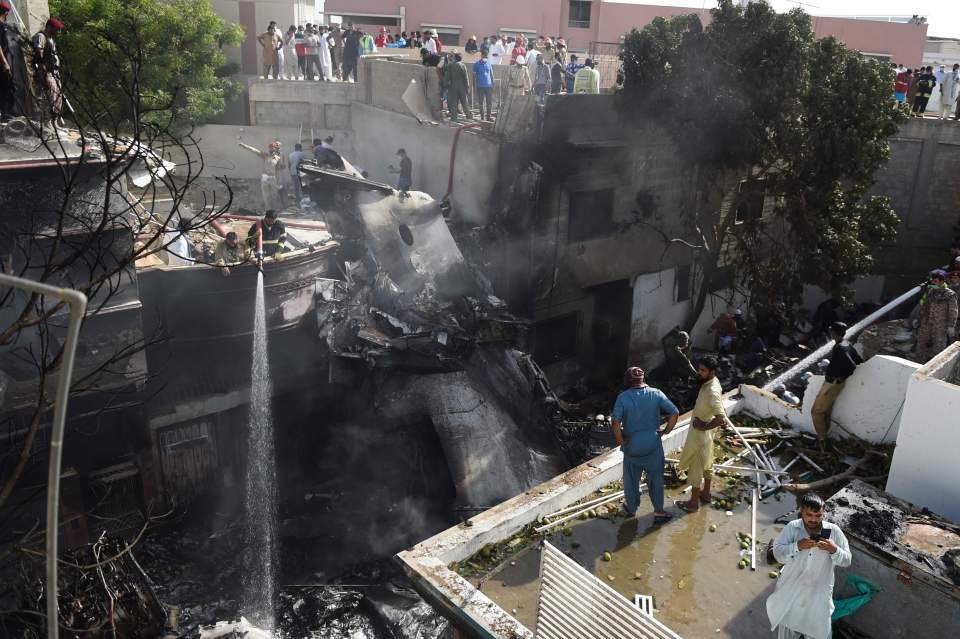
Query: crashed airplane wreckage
(395, 303)
(412, 313)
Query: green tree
(168, 52)
(757, 105)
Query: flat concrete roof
(691, 572)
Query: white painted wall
(865, 289)
(655, 313)
(379, 133)
(870, 407)
(925, 468)
(222, 156)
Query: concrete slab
(691, 572)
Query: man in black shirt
(274, 236)
(351, 54)
(406, 171)
(843, 362)
(429, 59)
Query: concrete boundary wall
(870, 406)
(925, 469)
(319, 105)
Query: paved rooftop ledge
(936, 367)
(427, 563)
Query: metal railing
(606, 60)
(573, 604)
(77, 304)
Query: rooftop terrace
(690, 566)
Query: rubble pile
(876, 525)
(888, 338)
(102, 591)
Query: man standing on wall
(636, 427)
(697, 456)
(405, 181)
(483, 80)
(844, 360)
(810, 548)
(570, 72)
(351, 54)
(949, 92)
(46, 62)
(925, 83)
(312, 43)
(587, 80)
(270, 42)
(336, 51)
(457, 83)
(8, 85)
(497, 51)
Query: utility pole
(34, 14)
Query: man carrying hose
(274, 236)
(708, 414)
(636, 427)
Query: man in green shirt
(458, 85)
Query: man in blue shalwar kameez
(636, 417)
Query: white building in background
(945, 51)
(254, 16)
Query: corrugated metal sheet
(573, 604)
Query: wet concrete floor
(698, 589)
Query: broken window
(555, 339)
(750, 201)
(683, 283)
(590, 215)
(579, 14)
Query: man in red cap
(47, 64)
(636, 417)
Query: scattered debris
(101, 586)
(876, 525)
(951, 559)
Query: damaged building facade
(428, 330)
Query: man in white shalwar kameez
(949, 92)
(809, 548)
(326, 60)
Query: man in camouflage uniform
(953, 280)
(938, 317)
(231, 252)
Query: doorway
(610, 330)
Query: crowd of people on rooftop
(914, 88)
(538, 65)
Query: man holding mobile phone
(809, 547)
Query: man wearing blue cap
(938, 317)
(636, 427)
